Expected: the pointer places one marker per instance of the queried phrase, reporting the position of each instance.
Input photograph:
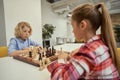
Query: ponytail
(99, 16)
(108, 34)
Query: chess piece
(40, 59)
(46, 61)
(44, 52)
(53, 50)
(47, 52)
(40, 56)
(41, 65)
(50, 52)
(30, 54)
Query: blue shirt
(18, 44)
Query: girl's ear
(83, 25)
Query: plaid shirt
(91, 62)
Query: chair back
(118, 49)
(3, 51)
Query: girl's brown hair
(19, 28)
(98, 16)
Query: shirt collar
(96, 37)
(21, 40)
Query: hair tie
(97, 6)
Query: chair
(3, 51)
(118, 49)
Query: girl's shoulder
(96, 44)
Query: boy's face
(25, 33)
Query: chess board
(27, 60)
(36, 55)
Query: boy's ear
(83, 24)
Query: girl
(21, 42)
(97, 59)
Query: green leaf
(47, 31)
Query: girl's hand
(74, 52)
(63, 56)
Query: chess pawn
(43, 55)
(47, 52)
(40, 61)
(34, 53)
(50, 52)
(39, 49)
(31, 48)
(41, 65)
(36, 57)
(53, 51)
(43, 62)
(30, 54)
(44, 52)
(43, 58)
(47, 61)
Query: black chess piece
(40, 59)
(50, 52)
(39, 53)
(53, 50)
(43, 54)
(47, 52)
(30, 54)
(40, 56)
(38, 49)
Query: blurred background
(46, 13)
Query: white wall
(49, 17)
(23, 10)
(2, 25)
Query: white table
(12, 69)
(68, 47)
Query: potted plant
(47, 31)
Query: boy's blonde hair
(19, 28)
(99, 16)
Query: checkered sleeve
(71, 71)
